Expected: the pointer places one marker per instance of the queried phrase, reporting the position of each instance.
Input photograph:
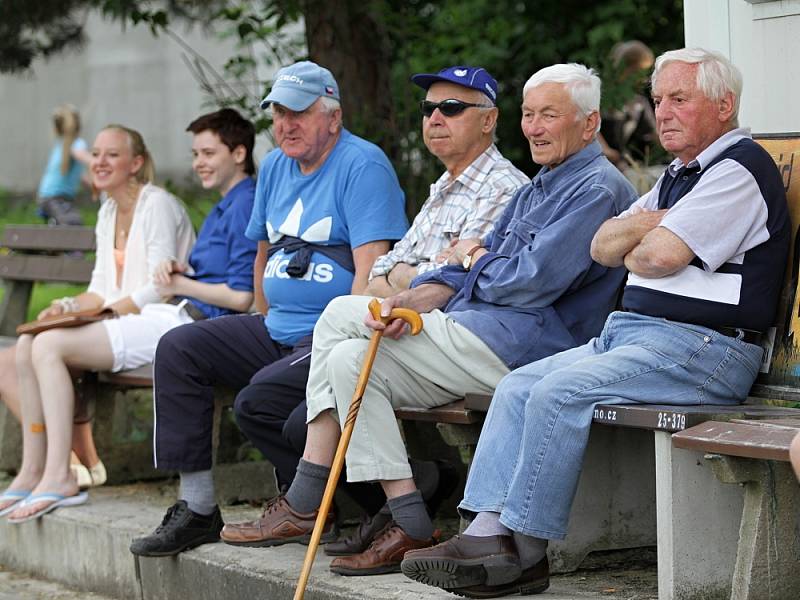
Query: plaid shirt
(463, 208)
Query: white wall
(762, 38)
(129, 77)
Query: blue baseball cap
(476, 78)
(299, 85)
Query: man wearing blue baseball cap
(522, 292)
(459, 118)
(327, 204)
(458, 123)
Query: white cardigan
(160, 230)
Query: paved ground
(14, 586)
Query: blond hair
(67, 123)
(148, 171)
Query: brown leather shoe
(362, 537)
(279, 524)
(533, 580)
(383, 555)
(464, 561)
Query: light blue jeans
(531, 449)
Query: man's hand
(422, 299)
(401, 275)
(458, 250)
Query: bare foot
(24, 482)
(67, 487)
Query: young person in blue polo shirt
(327, 205)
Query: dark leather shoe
(181, 529)
(383, 555)
(464, 561)
(362, 537)
(279, 524)
(533, 580)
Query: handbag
(70, 319)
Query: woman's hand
(53, 310)
(163, 272)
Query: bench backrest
(32, 253)
(781, 365)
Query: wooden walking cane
(415, 321)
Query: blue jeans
(531, 449)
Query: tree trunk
(350, 39)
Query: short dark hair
(233, 130)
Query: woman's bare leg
(52, 352)
(9, 387)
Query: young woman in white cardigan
(139, 227)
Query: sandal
(55, 501)
(17, 495)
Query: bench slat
(141, 377)
(453, 413)
(49, 238)
(45, 268)
(677, 418)
(750, 440)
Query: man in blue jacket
(527, 290)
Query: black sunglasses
(449, 108)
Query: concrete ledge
(86, 547)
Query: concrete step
(86, 547)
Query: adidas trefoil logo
(317, 232)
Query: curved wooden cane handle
(406, 314)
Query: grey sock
(426, 476)
(531, 549)
(308, 487)
(197, 489)
(410, 514)
(485, 524)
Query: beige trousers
(438, 366)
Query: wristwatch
(467, 262)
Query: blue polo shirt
(222, 253)
(538, 291)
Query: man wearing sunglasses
(459, 118)
(524, 291)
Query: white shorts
(134, 337)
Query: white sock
(485, 524)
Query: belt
(195, 313)
(747, 335)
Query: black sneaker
(180, 530)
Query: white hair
(716, 75)
(329, 104)
(581, 82)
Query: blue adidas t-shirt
(353, 198)
(53, 182)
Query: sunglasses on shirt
(449, 108)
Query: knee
(47, 346)
(795, 453)
(244, 406)
(22, 351)
(344, 361)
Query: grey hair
(582, 83)
(716, 75)
(329, 104)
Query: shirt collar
(718, 146)
(549, 179)
(475, 174)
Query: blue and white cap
(299, 85)
(476, 78)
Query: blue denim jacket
(538, 291)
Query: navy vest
(761, 270)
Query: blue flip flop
(18, 495)
(56, 501)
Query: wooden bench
(635, 488)
(30, 254)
